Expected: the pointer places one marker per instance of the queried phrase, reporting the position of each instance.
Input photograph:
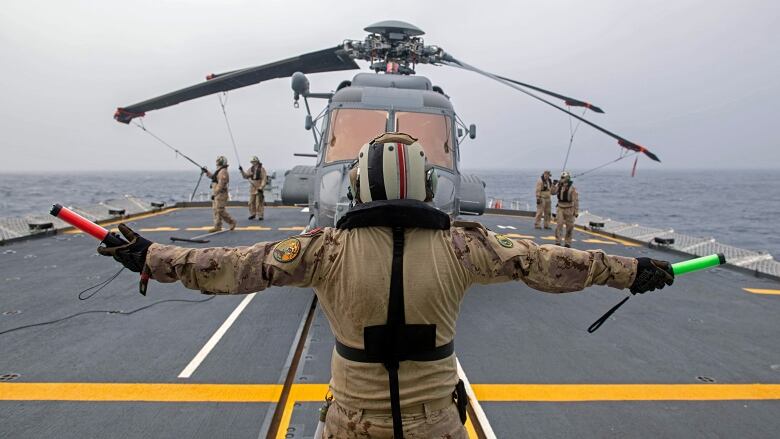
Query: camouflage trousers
(564, 217)
(344, 422)
(256, 200)
(543, 210)
(218, 205)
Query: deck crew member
(543, 191)
(390, 278)
(257, 180)
(567, 210)
(219, 194)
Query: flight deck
(698, 359)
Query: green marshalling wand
(697, 264)
(678, 269)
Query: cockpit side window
(433, 131)
(350, 129)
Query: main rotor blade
(625, 143)
(569, 101)
(328, 60)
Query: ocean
(736, 207)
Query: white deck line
(206, 349)
(483, 420)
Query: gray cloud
(695, 81)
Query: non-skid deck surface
(699, 359)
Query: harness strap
(395, 319)
(363, 356)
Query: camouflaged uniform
(219, 196)
(543, 191)
(348, 270)
(257, 180)
(567, 212)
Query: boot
(558, 243)
(214, 229)
(251, 217)
(567, 245)
(536, 226)
(232, 226)
(259, 218)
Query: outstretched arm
(492, 258)
(295, 261)
(238, 270)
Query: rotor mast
(393, 47)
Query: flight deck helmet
(222, 161)
(565, 176)
(392, 167)
(254, 160)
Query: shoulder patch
(504, 241)
(287, 250)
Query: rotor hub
(393, 47)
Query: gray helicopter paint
(368, 91)
(392, 81)
(392, 98)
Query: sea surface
(737, 207)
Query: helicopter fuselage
(364, 108)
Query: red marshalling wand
(96, 231)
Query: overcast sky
(696, 81)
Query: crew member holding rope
(543, 190)
(219, 194)
(567, 210)
(257, 180)
(390, 278)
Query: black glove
(538, 201)
(240, 168)
(203, 170)
(133, 254)
(651, 274)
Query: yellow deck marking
(75, 231)
(197, 229)
(147, 392)
(292, 228)
(552, 238)
(159, 229)
(252, 228)
(175, 392)
(599, 241)
(470, 429)
(262, 393)
(517, 235)
(761, 291)
(618, 240)
(625, 392)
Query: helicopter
(391, 99)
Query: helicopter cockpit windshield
(433, 131)
(350, 129)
